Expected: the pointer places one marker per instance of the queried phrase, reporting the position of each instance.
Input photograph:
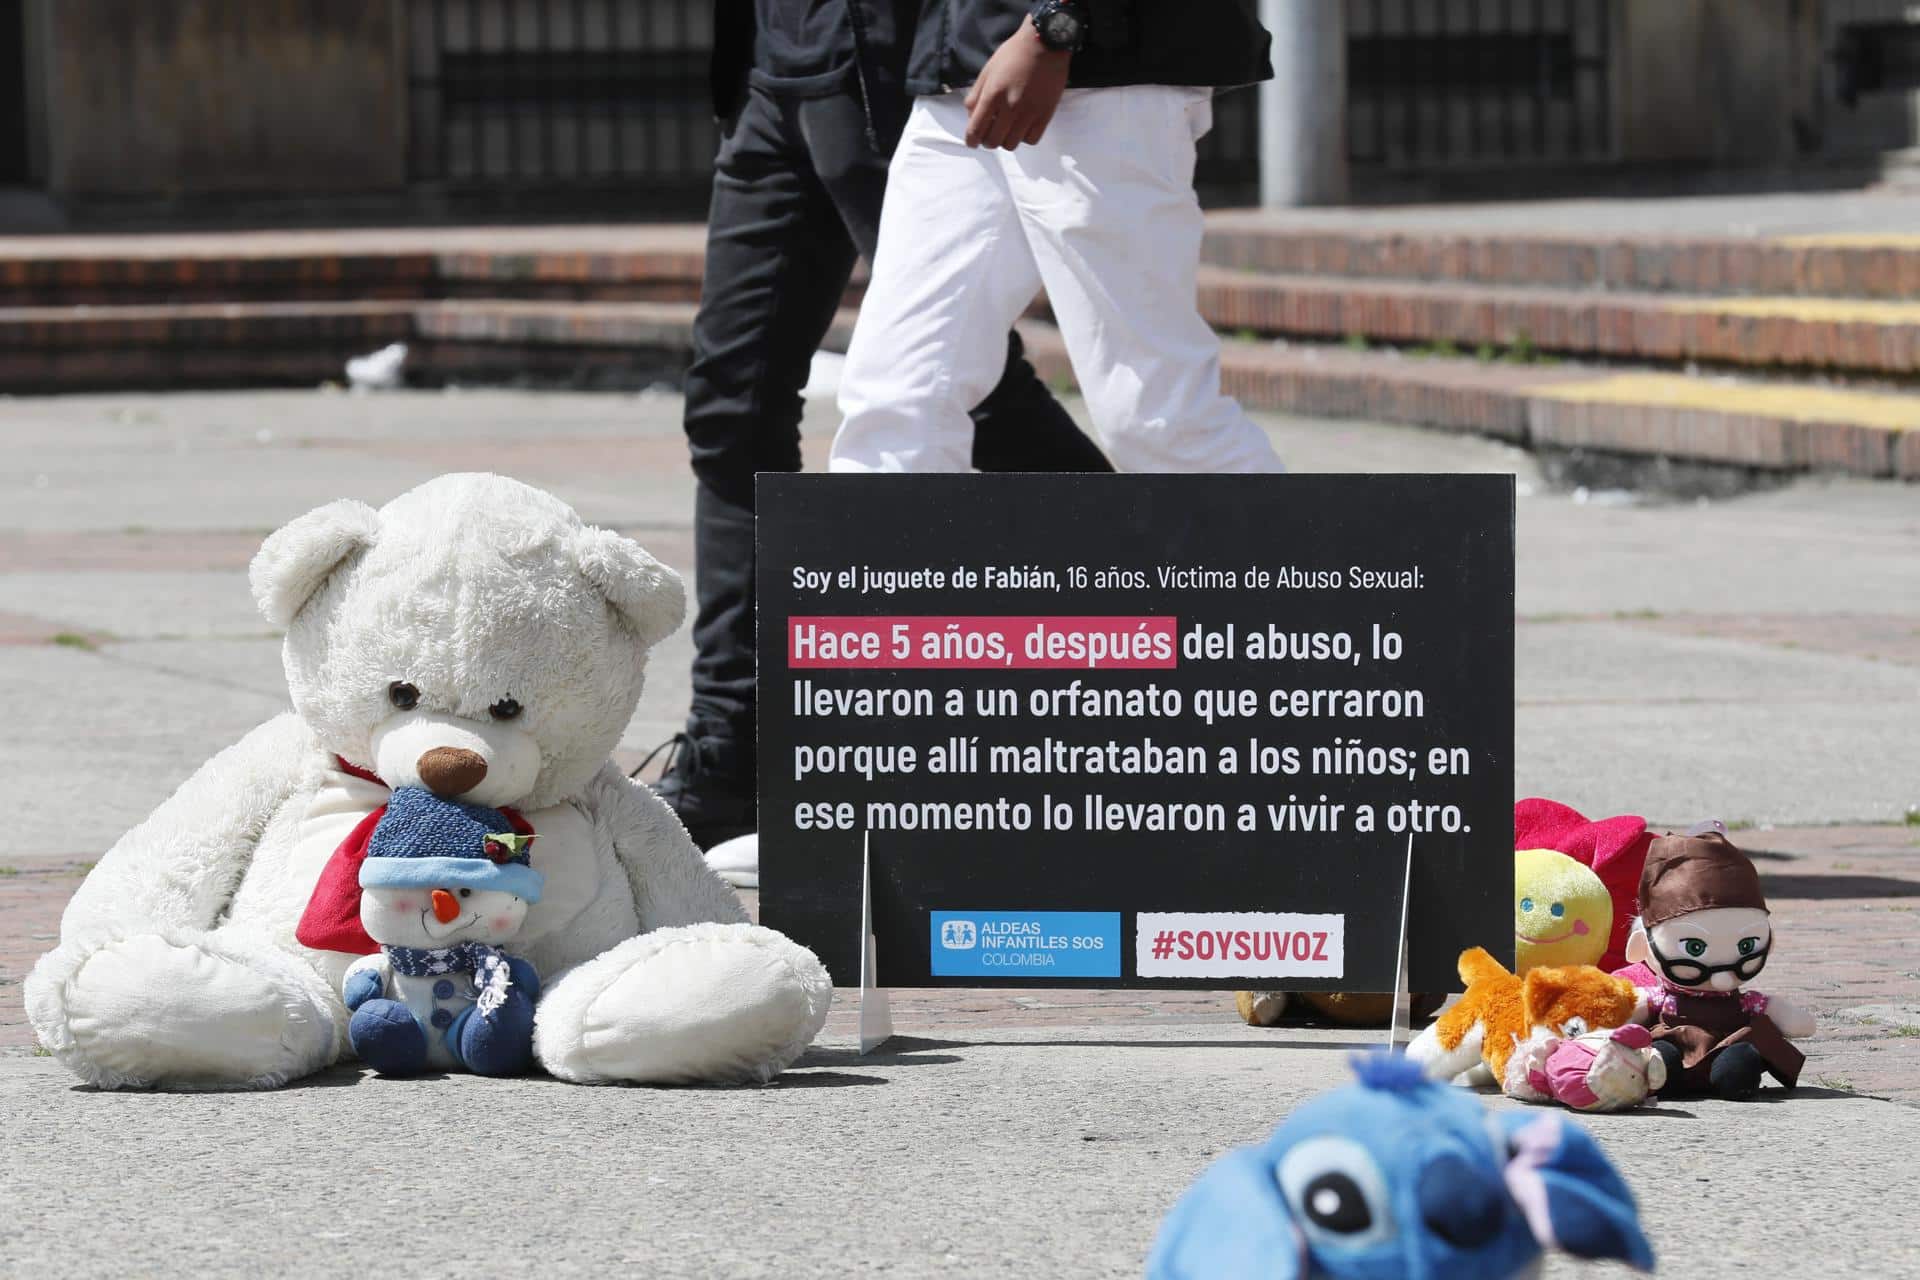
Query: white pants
(1102, 212)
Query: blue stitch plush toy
(442, 886)
(1400, 1178)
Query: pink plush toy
(1598, 1071)
(1616, 849)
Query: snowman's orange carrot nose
(446, 907)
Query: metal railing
(1445, 83)
(560, 93)
(560, 96)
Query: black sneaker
(708, 782)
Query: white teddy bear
(476, 638)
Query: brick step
(668, 273)
(1779, 426)
(204, 344)
(1767, 426)
(1841, 265)
(1852, 335)
(665, 275)
(625, 342)
(130, 280)
(45, 349)
(603, 261)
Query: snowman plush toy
(443, 885)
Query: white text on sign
(1239, 944)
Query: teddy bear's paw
(1260, 1008)
(707, 1003)
(184, 1010)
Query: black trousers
(796, 199)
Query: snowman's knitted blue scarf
(489, 968)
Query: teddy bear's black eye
(466, 893)
(505, 709)
(403, 695)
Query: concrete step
(279, 272)
(659, 262)
(1831, 264)
(46, 349)
(52, 270)
(1852, 335)
(1857, 336)
(1770, 426)
(1767, 425)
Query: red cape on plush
(331, 921)
(1616, 849)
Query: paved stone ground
(1020, 1153)
(1843, 899)
(1757, 658)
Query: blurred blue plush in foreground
(1397, 1176)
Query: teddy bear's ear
(296, 558)
(646, 592)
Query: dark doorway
(13, 93)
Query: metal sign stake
(1400, 1029)
(876, 1017)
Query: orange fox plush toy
(1500, 1010)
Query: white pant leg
(951, 274)
(1107, 205)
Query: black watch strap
(1053, 20)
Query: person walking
(814, 96)
(1052, 143)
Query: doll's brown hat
(1696, 873)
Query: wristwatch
(1061, 25)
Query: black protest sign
(1137, 730)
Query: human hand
(1017, 92)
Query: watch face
(1062, 28)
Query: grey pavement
(1675, 659)
(1758, 658)
(1017, 1153)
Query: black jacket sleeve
(732, 57)
(1217, 43)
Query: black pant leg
(777, 263)
(1019, 426)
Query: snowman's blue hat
(424, 842)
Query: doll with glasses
(1704, 933)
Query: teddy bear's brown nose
(451, 771)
